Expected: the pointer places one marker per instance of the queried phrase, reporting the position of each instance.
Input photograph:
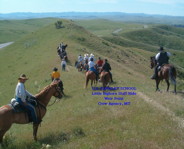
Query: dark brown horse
(8, 117)
(79, 66)
(90, 75)
(167, 71)
(105, 78)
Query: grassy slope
(143, 36)
(11, 30)
(140, 125)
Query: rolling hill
(11, 30)
(152, 120)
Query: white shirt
(63, 62)
(91, 57)
(158, 55)
(91, 64)
(20, 92)
(86, 58)
(80, 58)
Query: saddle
(160, 67)
(17, 108)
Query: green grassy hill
(143, 36)
(11, 30)
(152, 120)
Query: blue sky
(164, 7)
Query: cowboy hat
(91, 54)
(23, 77)
(161, 49)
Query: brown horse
(105, 78)
(90, 75)
(8, 117)
(79, 66)
(166, 72)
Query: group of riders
(61, 50)
(89, 63)
(22, 96)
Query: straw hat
(23, 77)
(91, 54)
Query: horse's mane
(45, 89)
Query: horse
(166, 72)
(105, 78)
(8, 116)
(79, 66)
(90, 75)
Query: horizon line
(93, 12)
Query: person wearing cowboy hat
(161, 58)
(22, 96)
(106, 67)
(55, 74)
(92, 56)
(86, 57)
(91, 65)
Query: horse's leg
(35, 129)
(3, 131)
(168, 84)
(157, 84)
(175, 88)
(91, 83)
(87, 80)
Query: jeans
(30, 107)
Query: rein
(57, 90)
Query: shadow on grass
(52, 139)
(62, 137)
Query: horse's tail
(172, 74)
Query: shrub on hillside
(58, 24)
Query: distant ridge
(117, 16)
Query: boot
(154, 76)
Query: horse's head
(58, 84)
(152, 62)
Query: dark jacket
(106, 67)
(163, 58)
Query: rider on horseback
(86, 57)
(99, 62)
(80, 59)
(92, 56)
(106, 67)
(55, 74)
(161, 58)
(92, 68)
(22, 96)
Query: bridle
(153, 62)
(59, 93)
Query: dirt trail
(177, 119)
(5, 44)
